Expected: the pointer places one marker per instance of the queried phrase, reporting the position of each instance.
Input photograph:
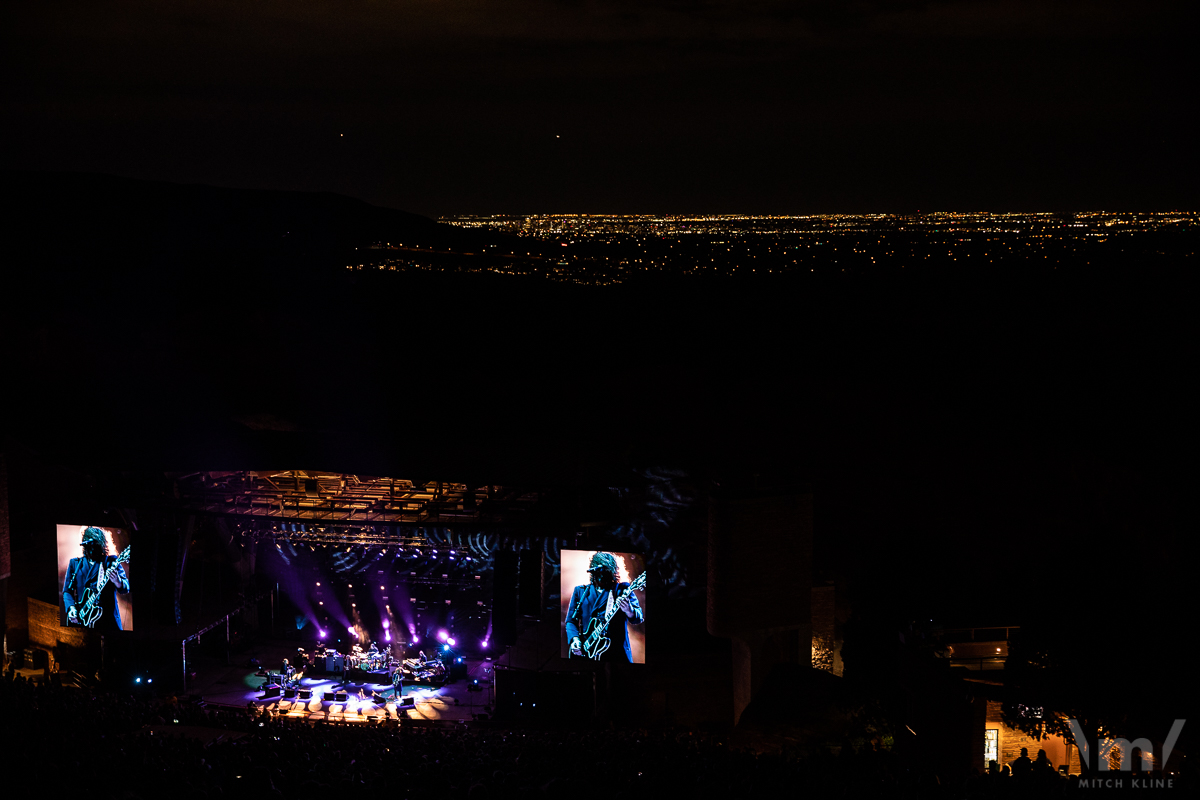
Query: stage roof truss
(339, 499)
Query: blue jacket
(588, 601)
(82, 574)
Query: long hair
(95, 545)
(601, 559)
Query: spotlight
(322, 634)
(446, 648)
(350, 628)
(441, 635)
(450, 641)
(485, 643)
(385, 624)
(137, 680)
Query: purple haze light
(442, 636)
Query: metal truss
(330, 498)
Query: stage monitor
(95, 578)
(603, 606)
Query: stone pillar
(760, 582)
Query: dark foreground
(120, 746)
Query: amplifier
(341, 697)
(305, 694)
(289, 692)
(270, 690)
(407, 701)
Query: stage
(240, 687)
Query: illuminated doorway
(991, 746)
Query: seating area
(116, 745)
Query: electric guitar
(89, 610)
(594, 641)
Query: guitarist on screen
(84, 574)
(592, 600)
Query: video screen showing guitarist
(601, 612)
(96, 583)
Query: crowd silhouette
(132, 748)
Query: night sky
(1028, 426)
(534, 106)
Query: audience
(104, 742)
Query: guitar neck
(609, 613)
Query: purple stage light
(387, 636)
(350, 628)
(450, 641)
(322, 634)
(385, 624)
(485, 644)
(442, 636)
(416, 639)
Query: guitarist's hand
(626, 606)
(576, 647)
(71, 615)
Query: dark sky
(466, 106)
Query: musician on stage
(593, 599)
(84, 573)
(288, 673)
(397, 684)
(373, 655)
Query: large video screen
(94, 578)
(603, 610)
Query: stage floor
(239, 687)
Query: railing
(984, 663)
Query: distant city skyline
(607, 249)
